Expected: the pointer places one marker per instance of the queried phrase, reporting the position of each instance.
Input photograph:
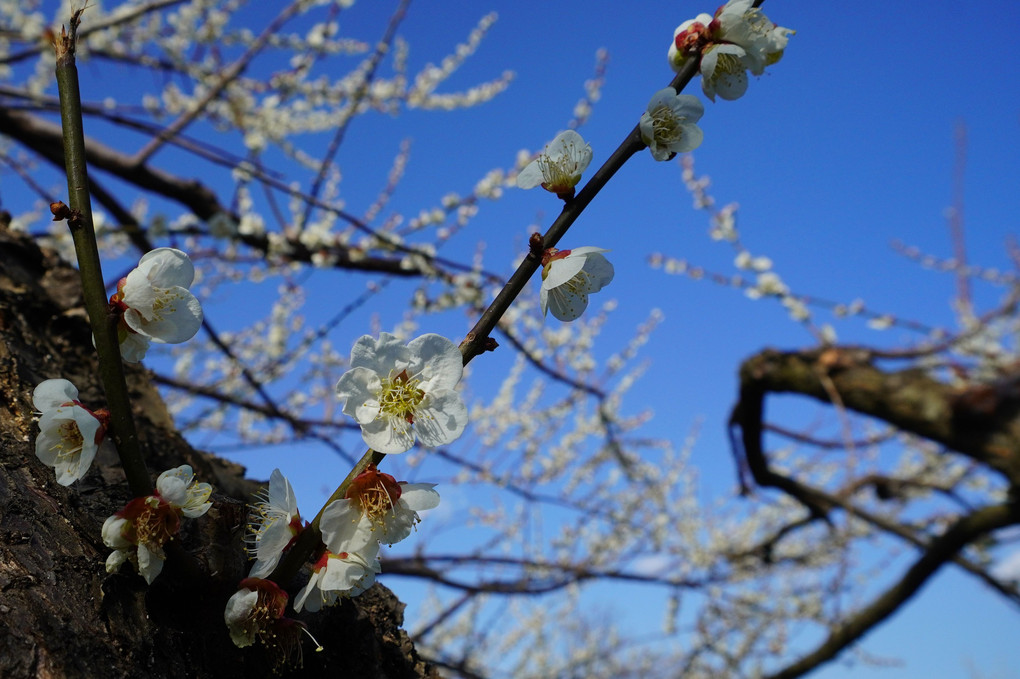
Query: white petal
(381, 355)
(167, 267)
(113, 533)
(566, 304)
(239, 607)
(52, 394)
(172, 484)
(168, 315)
(388, 436)
(359, 388)
(441, 419)
(281, 495)
(562, 270)
(301, 601)
(150, 564)
(531, 176)
(344, 527)
(600, 270)
(133, 346)
(115, 560)
(419, 496)
(437, 359)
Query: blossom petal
(302, 602)
(359, 388)
(172, 484)
(133, 346)
(379, 355)
(388, 436)
(441, 419)
(55, 451)
(169, 266)
(562, 270)
(281, 495)
(723, 72)
(344, 527)
(53, 393)
(566, 304)
(600, 272)
(169, 316)
(113, 533)
(419, 496)
(531, 176)
(150, 563)
(239, 607)
(437, 359)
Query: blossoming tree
(176, 566)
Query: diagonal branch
(956, 537)
(981, 421)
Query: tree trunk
(61, 614)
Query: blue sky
(843, 147)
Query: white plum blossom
(138, 532)
(724, 71)
(398, 392)
(376, 509)
(569, 276)
(240, 616)
(742, 24)
(70, 434)
(156, 303)
(559, 168)
(255, 613)
(273, 523)
(669, 126)
(337, 574)
(739, 38)
(178, 487)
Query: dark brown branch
(435, 568)
(44, 138)
(956, 537)
(981, 422)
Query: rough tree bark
(61, 614)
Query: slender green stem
(104, 323)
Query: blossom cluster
(139, 531)
(398, 393)
(737, 39)
(375, 510)
(153, 304)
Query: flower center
(71, 442)
(557, 172)
(267, 609)
(666, 125)
(375, 493)
(151, 521)
(728, 64)
(580, 284)
(401, 397)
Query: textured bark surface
(61, 614)
(981, 421)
